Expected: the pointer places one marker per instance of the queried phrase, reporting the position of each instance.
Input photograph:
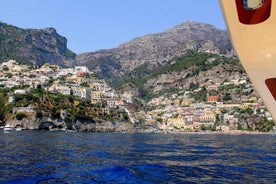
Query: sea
(146, 158)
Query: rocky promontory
(47, 123)
(34, 46)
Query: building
(228, 106)
(112, 103)
(13, 66)
(81, 69)
(81, 74)
(64, 90)
(96, 96)
(20, 91)
(65, 71)
(212, 99)
(209, 116)
(23, 109)
(178, 123)
(82, 92)
(212, 87)
(60, 89)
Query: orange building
(212, 99)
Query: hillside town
(175, 113)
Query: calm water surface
(59, 157)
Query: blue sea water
(60, 157)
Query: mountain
(34, 46)
(154, 64)
(155, 50)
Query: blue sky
(90, 25)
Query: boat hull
(255, 45)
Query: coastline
(234, 132)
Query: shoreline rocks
(46, 123)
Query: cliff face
(46, 123)
(156, 50)
(34, 46)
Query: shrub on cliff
(39, 115)
(20, 116)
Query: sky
(90, 25)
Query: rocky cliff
(184, 73)
(155, 50)
(34, 46)
(46, 123)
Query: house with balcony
(212, 99)
(96, 96)
(83, 69)
(81, 92)
(111, 103)
(65, 90)
(178, 123)
(209, 117)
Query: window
(252, 4)
(253, 11)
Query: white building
(82, 92)
(56, 88)
(65, 72)
(81, 69)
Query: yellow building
(208, 116)
(186, 102)
(96, 96)
(80, 80)
(176, 122)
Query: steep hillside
(185, 73)
(155, 50)
(34, 46)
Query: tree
(5, 68)
(160, 120)
(20, 116)
(39, 114)
(55, 113)
(227, 97)
(125, 116)
(193, 86)
(2, 109)
(85, 84)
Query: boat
(8, 127)
(251, 26)
(18, 128)
(70, 131)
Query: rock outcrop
(34, 46)
(46, 123)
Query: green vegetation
(22, 45)
(2, 105)
(20, 116)
(200, 96)
(209, 127)
(69, 53)
(85, 84)
(48, 104)
(11, 40)
(193, 62)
